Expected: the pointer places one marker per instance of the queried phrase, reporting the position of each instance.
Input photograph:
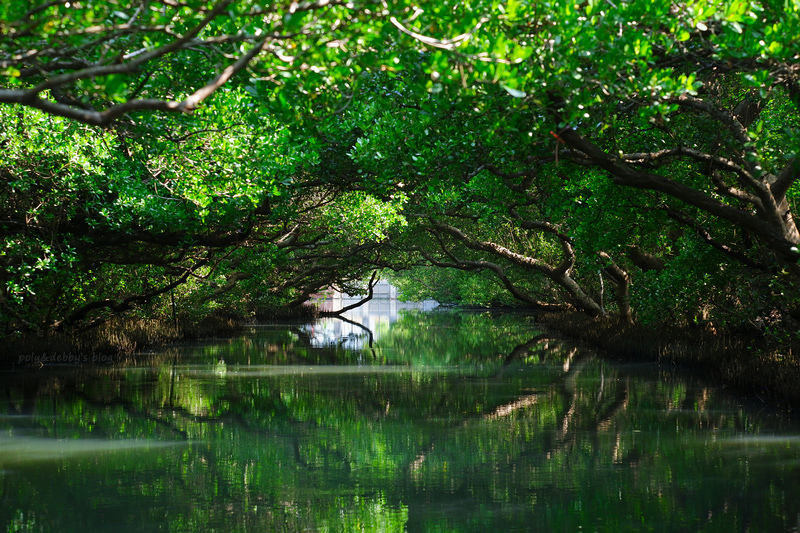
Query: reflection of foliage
(454, 338)
(518, 430)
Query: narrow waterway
(395, 420)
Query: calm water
(439, 421)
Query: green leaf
(516, 93)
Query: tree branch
(786, 178)
(516, 292)
(126, 304)
(715, 161)
(559, 274)
(621, 281)
(774, 232)
(370, 293)
(706, 236)
(727, 118)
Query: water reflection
(361, 326)
(449, 422)
(19, 448)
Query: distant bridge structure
(384, 300)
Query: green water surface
(442, 421)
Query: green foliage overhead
(240, 154)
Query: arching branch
(772, 230)
(558, 274)
(126, 304)
(370, 293)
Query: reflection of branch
(507, 409)
(564, 423)
(298, 456)
(572, 368)
(362, 326)
(129, 408)
(620, 404)
(518, 351)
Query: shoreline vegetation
(749, 366)
(746, 365)
(126, 340)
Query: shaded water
(440, 421)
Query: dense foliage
(186, 158)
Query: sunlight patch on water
(16, 450)
(302, 370)
(772, 440)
